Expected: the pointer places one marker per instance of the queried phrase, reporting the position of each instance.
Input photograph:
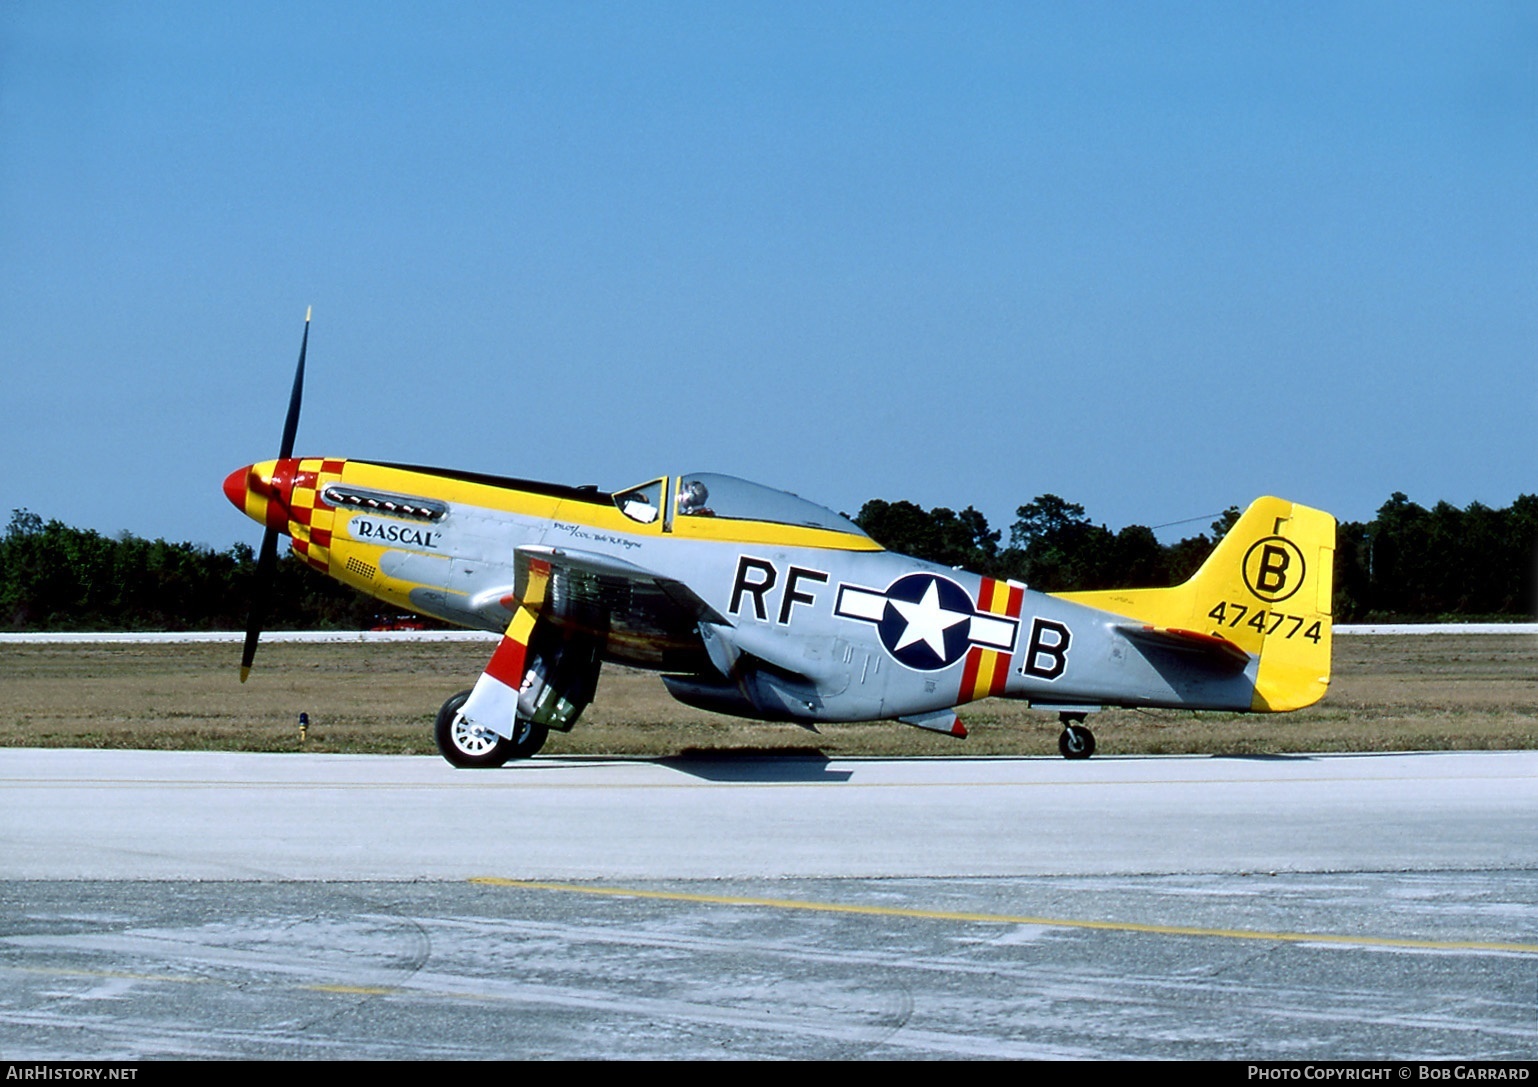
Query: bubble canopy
(711, 494)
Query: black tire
(1076, 742)
(473, 748)
(528, 739)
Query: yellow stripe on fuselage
(447, 489)
(994, 596)
(600, 513)
(731, 530)
(987, 666)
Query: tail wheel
(471, 746)
(1076, 742)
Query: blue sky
(1155, 258)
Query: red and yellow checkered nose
(264, 491)
(288, 495)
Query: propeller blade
(261, 591)
(267, 560)
(291, 424)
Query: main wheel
(465, 744)
(528, 738)
(478, 747)
(1076, 742)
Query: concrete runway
(224, 905)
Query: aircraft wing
(1210, 649)
(645, 618)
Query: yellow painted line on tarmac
(1006, 919)
(353, 990)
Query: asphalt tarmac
(168, 904)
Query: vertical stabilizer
(1266, 588)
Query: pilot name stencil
(580, 533)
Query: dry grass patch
(1389, 694)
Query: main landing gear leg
(1076, 741)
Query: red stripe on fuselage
(969, 675)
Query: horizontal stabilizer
(1213, 648)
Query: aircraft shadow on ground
(745, 765)
(749, 765)
(1263, 756)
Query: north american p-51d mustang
(757, 603)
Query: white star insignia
(927, 620)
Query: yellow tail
(1266, 588)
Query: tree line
(54, 577)
(1407, 564)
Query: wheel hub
(471, 738)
